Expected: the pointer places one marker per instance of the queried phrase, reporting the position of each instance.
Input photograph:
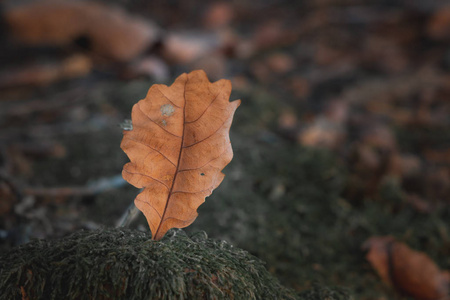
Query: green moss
(126, 264)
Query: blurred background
(343, 133)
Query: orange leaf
(411, 272)
(178, 146)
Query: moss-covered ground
(127, 264)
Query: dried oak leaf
(177, 148)
(411, 272)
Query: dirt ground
(343, 133)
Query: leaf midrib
(178, 163)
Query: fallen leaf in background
(272, 34)
(439, 25)
(288, 120)
(214, 64)
(410, 272)
(261, 71)
(438, 156)
(332, 48)
(218, 15)
(186, 46)
(280, 63)
(379, 136)
(109, 32)
(177, 148)
(323, 133)
(38, 74)
(288, 124)
(437, 181)
(418, 203)
(152, 66)
(410, 165)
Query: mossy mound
(126, 264)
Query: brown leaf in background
(439, 25)
(280, 63)
(178, 146)
(411, 272)
(218, 15)
(111, 32)
(183, 47)
(322, 133)
(40, 74)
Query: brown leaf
(411, 272)
(178, 146)
(111, 32)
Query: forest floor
(343, 133)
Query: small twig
(20, 234)
(96, 187)
(12, 185)
(128, 216)
(59, 191)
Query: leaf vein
(186, 192)
(217, 130)
(193, 169)
(167, 98)
(162, 154)
(185, 221)
(178, 163)
(137, 199)
(201, 115)
(148, 177)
